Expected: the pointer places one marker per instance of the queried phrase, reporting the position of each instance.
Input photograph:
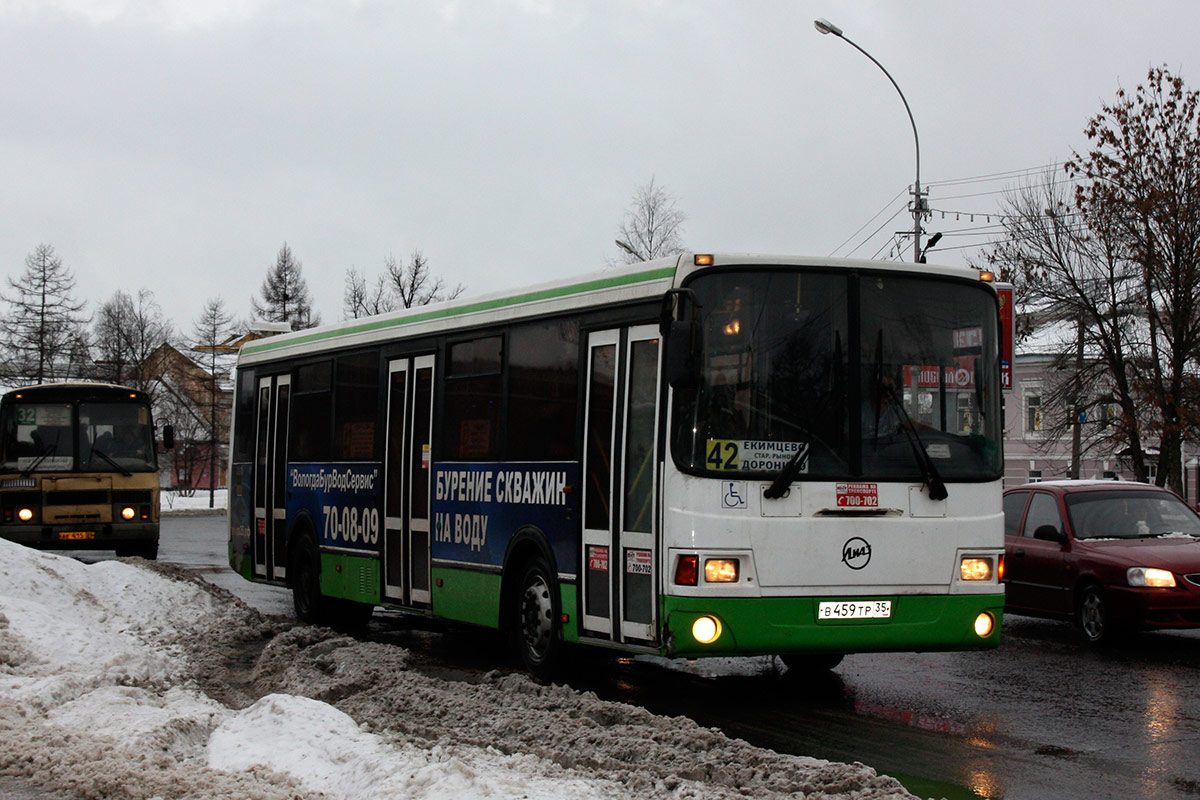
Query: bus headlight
(706, 629)
(975, 569)
(721, 570)
(128, 513)
(984, 624)
(25, 514)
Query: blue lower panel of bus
(781, 625)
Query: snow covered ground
(174, 502)
(129, 679)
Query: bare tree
(1142, 179)
(401, 286)
(1071, 274)
(125, 334)
(212, 329)
(285, 295)
(652, 227)
(44, 326)
(360, 300)
(1123, 259)
(414, 284)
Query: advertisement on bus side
(343, 501)
(477, 508)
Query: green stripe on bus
(441, 313)
(778, 625)
(350, 577)
(467, 595)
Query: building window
(1033, 413)
(1109, 410)
(1035, 476)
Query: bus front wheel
(533, 625)
(811, 663)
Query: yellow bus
(78, 468)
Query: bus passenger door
(620, 549)
(270, 478)
(406, 499)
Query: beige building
(1031, 453)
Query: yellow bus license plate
(76, 534)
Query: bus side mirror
(677, 325)
(168, 437)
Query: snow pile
(126, 679)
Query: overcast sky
(174, 145)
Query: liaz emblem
(856, 553)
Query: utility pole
(918, 205)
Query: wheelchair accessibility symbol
(733, 494)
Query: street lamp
(629, 250)
(825, 26)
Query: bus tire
(304, 574)
(349, 616)
(811, 663)
(146, 550)
(534, 624)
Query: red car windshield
(1130, 514)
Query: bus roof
(629, 283)
(74, 390)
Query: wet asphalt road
(1044, 716)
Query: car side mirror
(1049, 533)
(168, 437)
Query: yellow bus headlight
(721, 570)
(25, 514)
(975, 569)
(128, 512)
(706, 629)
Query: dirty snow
(127, 679)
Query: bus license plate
(855, 609)
(76, 535)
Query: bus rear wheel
(304, 573)
(533, 624)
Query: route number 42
(722, 454)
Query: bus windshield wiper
(786, 475)
(937, 487)
(98, 452)
(42, 456)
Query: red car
(1112, 555)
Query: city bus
(695, 456)
(79, 468)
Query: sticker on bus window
(753, 455)
(858, 495)
(638, 562)
(598, 558)
(425, 456)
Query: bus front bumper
(786, 625)
(76, 536)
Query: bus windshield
(41, 437)
(851, 375)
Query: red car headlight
(1150, 577)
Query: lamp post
(918, 209)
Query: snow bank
(127, 679)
